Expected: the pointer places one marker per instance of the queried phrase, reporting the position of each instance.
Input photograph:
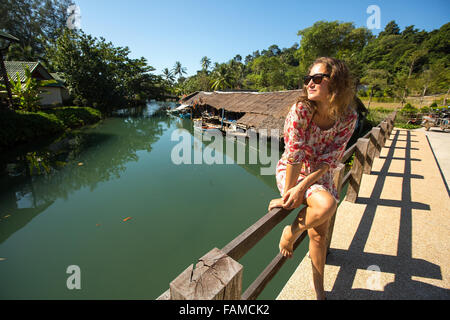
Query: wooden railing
(218, 275)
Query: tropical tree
(206, 63)
(331, 39)
(178, 70)
(168, 75)
(119, 80)
(36, 23)
(222, 78)
(376, 79)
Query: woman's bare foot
(287, 242)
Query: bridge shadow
(401, 267)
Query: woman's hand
(275, 203)
(293, 198)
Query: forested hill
(395, 63)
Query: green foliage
(26, 95)
(73, 117)
(408, 109)
(425, 110)
(376, 115)
(101, 75)
(35, 23)
(406, 125)
(393, 65)
(20, 126)
(332, 39)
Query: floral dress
(306, 143)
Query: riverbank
(19, 127)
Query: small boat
(178, 110)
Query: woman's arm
(292, 173)
(294, 194)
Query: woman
(317, 130)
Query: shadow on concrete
(403, 266)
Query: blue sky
(165, 31)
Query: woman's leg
(320, 206)
(315, 218)
(317, 253)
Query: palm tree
(168, 75)
(178, 70)
(222, 78)
(205, 62)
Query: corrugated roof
(14, 67)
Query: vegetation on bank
(17, 127)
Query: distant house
(53, 94)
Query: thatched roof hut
(262, 110)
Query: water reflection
(249, 159)
(31, 181)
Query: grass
(415, 101)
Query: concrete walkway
(394, 242)
(440, 144)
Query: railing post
(388, 126)
(215, 277)
(338, 177)
(391, 123)
(394, 116)
(381, 138)
(357, 169)
(371, 151)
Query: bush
(408, 109)
(425, 110)
(18, 127)
(362, 93)
(74, 117)
(407, 125)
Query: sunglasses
(317, 78)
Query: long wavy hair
(341, 88)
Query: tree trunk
(406, 84)
(370, 98)
(423, 94)
(445, 99)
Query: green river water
(64, 203)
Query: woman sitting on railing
(317, 130)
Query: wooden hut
(247, 110)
